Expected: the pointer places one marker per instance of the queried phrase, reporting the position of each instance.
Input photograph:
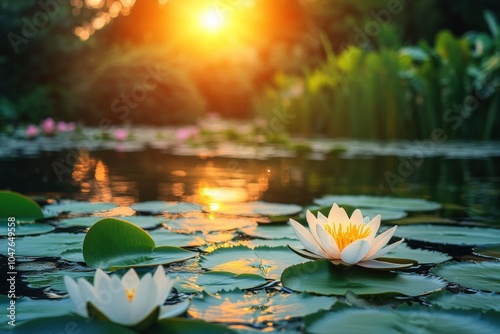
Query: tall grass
(397, 93)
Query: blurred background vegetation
(371, 69)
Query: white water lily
(346, 241)
(127, 301)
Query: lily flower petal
(114, 302)
(355, 251)
(381, 240)
(338, 214)
(76, 296)
(312, 221)
(385, 250)
(357, 217)
(307, 239)
(327, 242)
(141, 304)
(130, 280)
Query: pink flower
(186, 133)
(62, 126)
(31, 131)
(120, 134)
(48, 126)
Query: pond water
(463, 177)
(124, 178)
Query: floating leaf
(27, 308)
(446, 234)
(27, 229)
(73, 255)
(376, 320)
(189, 225)
(490, 251)
(48, 245)
(54, 280)
(21, 207)
(467, 301)
(425, 220)
(271, 231)
(170, 238)
(255, 209)
(378, 202)
(422, 256)
(70, 324)
(264, 261)
(155, 207)
(141, 221)
(323, 278)
(80, 207)
(476, 275)
(188, 326)
(113, 244)
(215, 281)
(254, 308)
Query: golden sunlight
(212, 19)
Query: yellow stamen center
(344, 236)
(130, 294)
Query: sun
(212, 20)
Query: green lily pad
(54, 280)
(21, 207)
(476, 275)
(155, 207)
(70, 324)
(170, 238)
(189, 225)
(376, 320)
(188, 326)
(28, 309)
(113, 244)
(425, 220)
(323, 278)
(284, 231)
(422, 256)
(270, 243)
(378, 202)
(446, 234)
(73, 255)
(146, 222)
(257, 208)
(215, 281)
(27, 229)
(185, 282)
(490, 251)
(48, 245)
(254, 308)
(467, 301)
(80, 207)
(264, 261)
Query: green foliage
(18, 206)
(113, 243)
(396, 92)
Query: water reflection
(128, 177)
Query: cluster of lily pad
(222, 268)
